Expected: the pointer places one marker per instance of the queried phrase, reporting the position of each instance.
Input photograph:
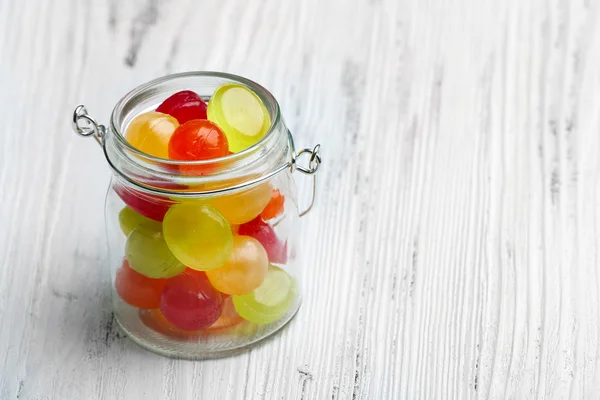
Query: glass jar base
(211, 343)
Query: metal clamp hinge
(85, 125)
(313, 166)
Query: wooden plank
(453, 252)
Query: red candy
(155, 320)
(198, 139)
(150, 206)
(138, 290)
(184, 106)
(190, 302)
(264, 233)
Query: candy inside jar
(202, 214)
(196, 233)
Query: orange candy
(238, 207)
(241, 207)
(138, 290)
(275, 206)
(198, 139)
(150, 132)
(244, 271)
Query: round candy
(198, 235)
(198, 139)
(150, 206)
(244, 271)
(184, 106)
(270, 301)
(148, 253)
(241, 114)
(138, 290)
(244, 206)
(229, 317)
(190, 302)
(150, 132)
(264, 233)
(129, 219)
(275, 206)
(154, 319)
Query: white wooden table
(455, 243)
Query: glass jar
(202, 254)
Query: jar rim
(260, 91)
(245, 168)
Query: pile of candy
(203, 263)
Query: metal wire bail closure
(313, 166)
(84, 125)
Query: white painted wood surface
(455, 243)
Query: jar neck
(188, 178)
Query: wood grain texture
(454, 250)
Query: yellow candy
(198, 235)
(150, 132)
(241, 114)
(244, 271)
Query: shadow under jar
(202, 254)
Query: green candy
(270, 301)
(241, 114)
(148, 253)
(130, 219)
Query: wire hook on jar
(313, 163)
(311, 169)
(85, 126)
